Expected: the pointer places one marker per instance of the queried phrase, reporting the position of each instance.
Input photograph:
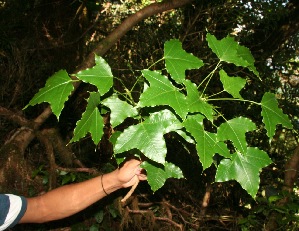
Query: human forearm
(69, 199)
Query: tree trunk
(14, 170)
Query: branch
(179, 226)
(27, 136)
(86, 170)
(119, 32)
(133, 20)
(12, 116)
(163, 219)
(206, 200)
(129, 193)
(51, 158)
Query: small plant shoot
(174, 104)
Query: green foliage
(269, 109)
(235, 130)
(232, 85)
(207, 144)
(67, 177)
(91, 121)
(40, 171)
(228, 50)
(100, 75)
(147, 136)
(162, 92)
(174, 55)
(171, 103)
(57, 90)
(244, 169)
(157, 175)
(286, 215)
(196, 101)
(120, 110)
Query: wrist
(103, 185)
(110, 182)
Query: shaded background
(38, 38)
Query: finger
(142, 177)
(133, 163)
(138, 170)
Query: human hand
(130, 173)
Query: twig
(15, 117)
(206, 200)
(167, 209)
(130, 192)
(88, 170)
(165, 219)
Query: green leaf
(157, 175)
(228, 50)
(120, 110)
(273, 115)
(91, 121)
(113, 138)
(196, 103)
(99, 216)
(162, 92)
(113, 211)
(232, 85)
(206, 142)
(186, 136)
(235, 130)
(56, 91)
(177, 60)
(244, 168)
(147, 136)
(94, 227)
(100, 75)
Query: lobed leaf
(120, 110)
(235, 130)
(162, 92)
(228, 50)
(206, 142)
(177, 60)
(100, 75)
(232, 85)
(91, 121)
(244, 168)
(272, 114)
(56, 91)
(147, 136)
(196, 103)
(157, 175)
